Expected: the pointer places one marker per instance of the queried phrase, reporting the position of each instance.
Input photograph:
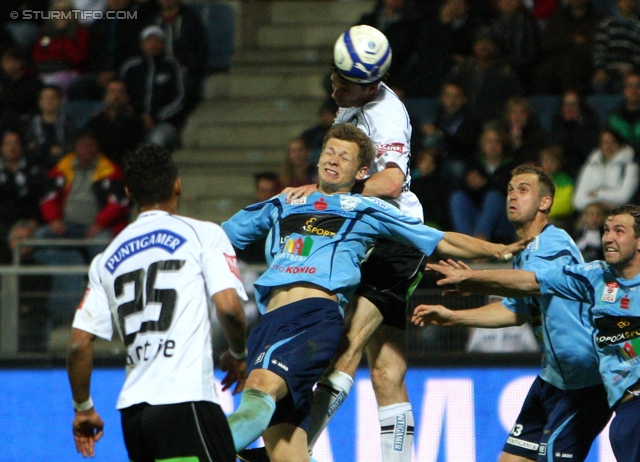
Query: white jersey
(386, 121)
(153, 284)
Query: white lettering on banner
(448, 401)
(511, 399)
(368, 424)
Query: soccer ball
(362, 54)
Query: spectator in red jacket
(61, 49)
(86, 200)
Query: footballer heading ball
(362, 54)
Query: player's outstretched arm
(234, 326)
(492, 315)
(87, 424)
(459, 245)
(508, 283)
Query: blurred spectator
(21, 187)
(542, 10)
(526, 135)
(561, 213)
(454, 129)
(61, 49)
(267, 185)
(155, 84)
(626, 118)
(609, 175)
(23, 32)
(616, 48)
(575, 127)
(314, 136)
(478, 209)
(297, 169)
(92, 7)
(588, 235)
(443, 41)
(50, 133)
(85, 200)
(117, 126)
(489, 81)
(430, 185)
(567, 45)
(516, 32)
(19, 85)
(186, 41)
(399, 22)
(110, 45)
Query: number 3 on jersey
(151, 313)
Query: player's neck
(170, 206)
(532, 228)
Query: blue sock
(251, 418)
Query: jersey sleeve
(394, 225)
(251, 223)
(569, 282)
(93, 314)
(220, 264)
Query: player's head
(362, 54)
(621, 238)
(151, 175)
(346, 155)
(530, 193)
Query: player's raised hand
(87, 431)
(510, 250)
(453, 272)
(300, 191)
(436, 315)
(236, 370)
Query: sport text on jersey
(161, 238)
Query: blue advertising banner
(461, 415)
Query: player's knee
(291, 457)
(387, 379)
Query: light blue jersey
(614, 307)
(562, 327)
(322, 239)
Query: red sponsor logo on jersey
(300, 269)
(320, 205)
(386, 147)
(84, 298)
(232, 261)
(625, 302)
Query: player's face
(338, 166)
(348, 94)
(619, 242)
(523, 198)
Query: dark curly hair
(150, 173)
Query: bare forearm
(232, 319)
(508, 283)
(492, 316)
(80, 365)
(386, 184)
(458, 245)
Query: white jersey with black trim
(153, 284)
(386, 121)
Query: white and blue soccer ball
(362, 54)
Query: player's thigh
(363, 318)
(286, 443)
(506, 457)
(387, 363)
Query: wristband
(239, 356)
(85, 406)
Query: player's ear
(127, 192)
(177, 187)
(545, 204)
(362, 172)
